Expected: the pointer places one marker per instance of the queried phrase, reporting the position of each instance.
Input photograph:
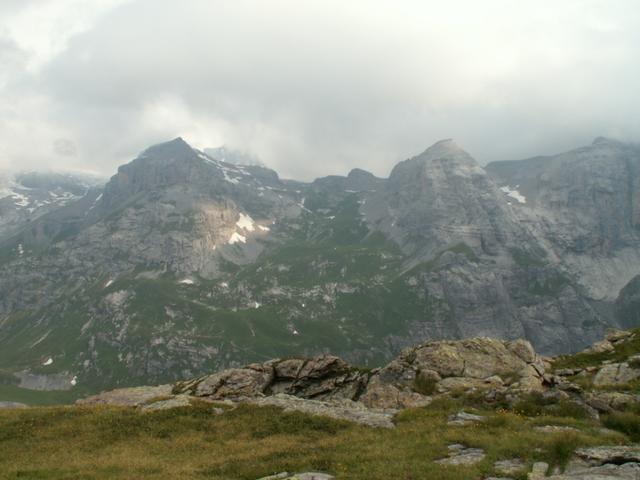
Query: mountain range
(183, 263)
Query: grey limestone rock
(461, 455)
(339, 409)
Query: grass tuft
(625, 422)
(535, 404)
(424, 384)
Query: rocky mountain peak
(605, 141)
(449, 151)
(444, 156)
(177, 146)
(444, 147)
(358, 179)
(160, 165)
(359, 173)
(438, 166)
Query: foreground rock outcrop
(327, 385)
(496, 371)
(322, 377)
(444, 367)
(596, 463)
(491, 410)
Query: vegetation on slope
(621, 352)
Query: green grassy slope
(251, 442)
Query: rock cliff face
(584, 206)
(628, 304)
(184, 263)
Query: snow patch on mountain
(228, 178)
(514, 193)
(245, 222)
(19, 199)
(236, 237)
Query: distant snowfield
(236, 237)
(229, 178)
(227, 171)
(245, 222)
(19, 199)
(514, 193)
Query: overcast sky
(313, 87)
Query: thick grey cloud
(318, 87)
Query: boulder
(235, 383)
(531, 379)
(382, 395)
(461, 455)
(464, 365)
(510, 466)
(555, 429)
(615, 374)
(616, 336)
(459, 384)
(323, 366)
(600, 347)
(128, 397)
(288, 369)
(626, 471)
(523, 350)
(165, 404)
(299, 476)
(464, 418)
(321, 377)
(474, 358)
(610, 454)
(4, 404)
(338, 409)
(608, 401)
(538, 471)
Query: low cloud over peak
(313, 88)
